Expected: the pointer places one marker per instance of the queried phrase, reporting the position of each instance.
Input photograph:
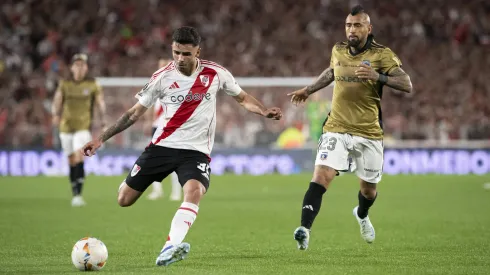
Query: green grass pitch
(424, 225)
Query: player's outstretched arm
(124, 122)
(397, 79)
(251, 104)
(321, 82)
(325, 78)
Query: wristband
(383, 79)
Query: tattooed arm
(123, 123)
(126, 120)
(322, 81)
(398, 79)
(325, 78)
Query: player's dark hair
(358, 9)
(186, 35)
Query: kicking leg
(127, 196)
(174, 249)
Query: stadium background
(443, 127)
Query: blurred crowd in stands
(444, 46)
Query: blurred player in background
(187, 88)
(360, 68)
(72, 112)
(317, 108)
(153, 119)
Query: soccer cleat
(302, 236)
(77, 201)
(154, 195)
(173, 253)
(367, 228)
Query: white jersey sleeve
(151, 91)
(228, 83)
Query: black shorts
(157, 162)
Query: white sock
(181, 223)
(157, 186)
(176, 188)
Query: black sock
(73, 180)
(80, 178)
(311, 204)
(364, 205)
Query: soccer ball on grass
(89, 254)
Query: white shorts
(71, 142)
(344, 152)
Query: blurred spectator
(443, 45)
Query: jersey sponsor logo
(190, 97)
(135, 170)
(349, 79)
(366, 62)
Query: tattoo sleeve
(399, 80)
(123, 123)
(322, 81)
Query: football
(89, 254)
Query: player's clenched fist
(367, 72)
(274, 113)
(299, 96)
(90, 148)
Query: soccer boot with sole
(173, 253)
(367, 228)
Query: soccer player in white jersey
(187, 89)
(154, 119)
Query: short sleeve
(389, 61)
(150, 92)
(229, 84)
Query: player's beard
(354, 42)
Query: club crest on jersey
(366, 62)
(136, 169)
(204, 80)
(86, 91)
(324, 155)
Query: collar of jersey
(367, 46)
(198, 67)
